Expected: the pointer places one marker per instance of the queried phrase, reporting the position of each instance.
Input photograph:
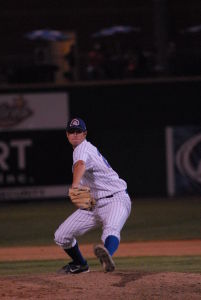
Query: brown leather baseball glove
(81, 197)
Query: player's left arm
(78, 171)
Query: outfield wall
(126, 121)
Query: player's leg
(111, 244)
(113, 214)
(77, 224)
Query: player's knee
(58, 238)
(61, 240)
(110, 231)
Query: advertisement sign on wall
(183, 148)
(31, 132)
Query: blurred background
(130, 69)
(99, 40)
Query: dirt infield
(153, 248)
(128, 285)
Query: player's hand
(75, 186)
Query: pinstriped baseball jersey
(99, 175)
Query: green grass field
(190, 264)
(34, 223)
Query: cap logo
(74, 122)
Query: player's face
(76, 137)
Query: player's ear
(85, 133)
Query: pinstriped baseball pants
(111, 213)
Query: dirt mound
(99, 285)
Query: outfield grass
(34, 223)
(191, 264)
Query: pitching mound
(99, 285)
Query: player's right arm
(78, 171)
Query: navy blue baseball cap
(76, 123)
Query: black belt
(110, 196)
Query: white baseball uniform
(113, 203)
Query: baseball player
(111, 203)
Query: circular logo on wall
(188, 158)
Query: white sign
(35, 192)
(33, 111)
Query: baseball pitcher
(101, 199)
